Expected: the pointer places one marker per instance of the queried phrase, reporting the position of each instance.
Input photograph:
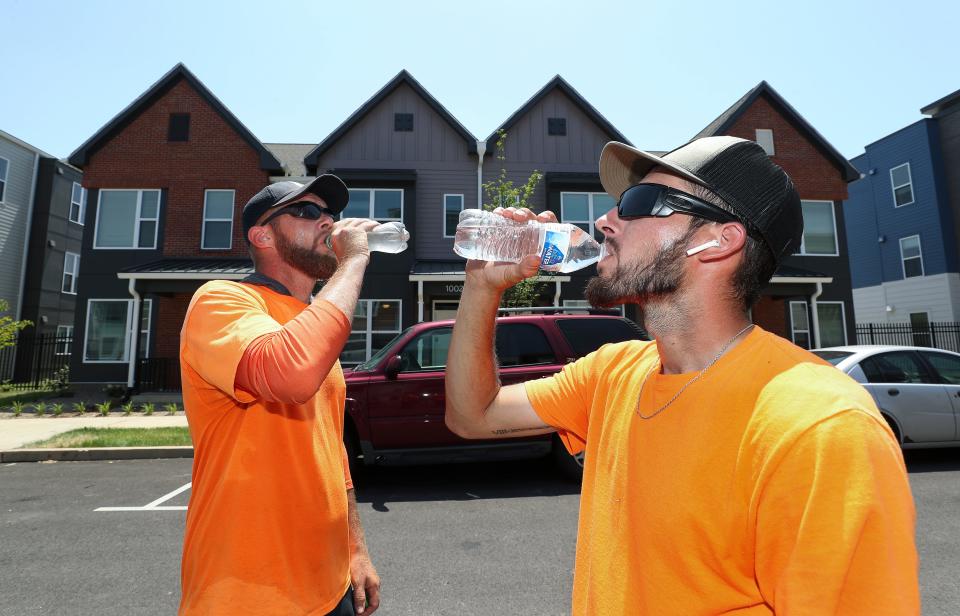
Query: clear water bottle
(388, 237)
(562, 247)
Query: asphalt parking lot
(454, 539)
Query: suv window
(428, 351)
(587, 335)
(948, 366)
(522, 344)
(896, 367)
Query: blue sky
(659, 71)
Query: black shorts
(345, 607)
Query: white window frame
(373, 195)
(145, 308)
(894, 187)
(3, 180)
(81, 205)
(63, 331)
(593, 215)
(843, 319)
(582, 303)
(462, 205)
(206, 219)
(143, 350)
(368, 332)
(793, 328)
(903, 265)
(765, 140)
(139, 219)
(74, 272)
(836, 240)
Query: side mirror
(392, 369)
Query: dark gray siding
(948, 123)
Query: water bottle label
(555, 246)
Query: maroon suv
(395, 400)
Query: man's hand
(349, 237)
(500, 276)
(366, 584)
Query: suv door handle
(893, 392)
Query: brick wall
(168, 323)
(214, 157)
(814, 175)
(770, 313)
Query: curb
(95, 453)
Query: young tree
(502, 192)
(9, 327)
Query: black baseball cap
(738, 171)
(328, 187)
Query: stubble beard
(316, 265)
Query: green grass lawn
(117, 437)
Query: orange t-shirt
(266, 528)
(770, 486)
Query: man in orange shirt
(727, 471)
(272, 526)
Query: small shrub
(17, 407)
(40, 408)
(115, 391)
(6, 386)
(57, 409)
(80, 407)
(147, 408)
(103, 408)
(171, 408)
(127, 408)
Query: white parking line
(155, 505)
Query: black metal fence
(35, 361)
(937, 335)
(158, 374)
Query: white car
(917, 389)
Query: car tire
(570, 466)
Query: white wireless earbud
(702, 247)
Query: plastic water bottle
(388, 237)
(562, 247)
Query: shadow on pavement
(932, 460)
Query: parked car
(395, 400)
(917, 389)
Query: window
(78, 203)
(902, 185)
(522, 344)
(71, 268)
(375, 323)
(63, 340)
(217, 231)
(765, 139)
(799, 324)
(920, 328)
(896, 367)
(108, 326)
(403, 122)
(383, 204)
(947, 366)
(911, 256)
(428, 351)
(587, 335)
(127, 219)
(582, 208)
(4, 167)
(582, 303)
(557, 126)
(833, 324)
(819, 229)
(179, 128)
(452, 206)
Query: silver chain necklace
(688, 383)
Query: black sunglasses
(301, 209)
(643, 200)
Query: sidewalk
(19, 431)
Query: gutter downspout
(26, 235)
(815, 317)
(481, 150)
(134, 334)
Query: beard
(638, 283)
(305, 260)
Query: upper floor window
(217, 231)
(4, 167)
(383, 204)
(819, 229)
(127, 219)
(582, 208)
(403, 122)
(179, 127)
(452, 206)
(71, 268)
(902, 185)
(557, 126)
(78, 203)
(765, 139)
(911, 256)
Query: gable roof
(403, 77)
(82, 154)
(726, 119)
(561, 84)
